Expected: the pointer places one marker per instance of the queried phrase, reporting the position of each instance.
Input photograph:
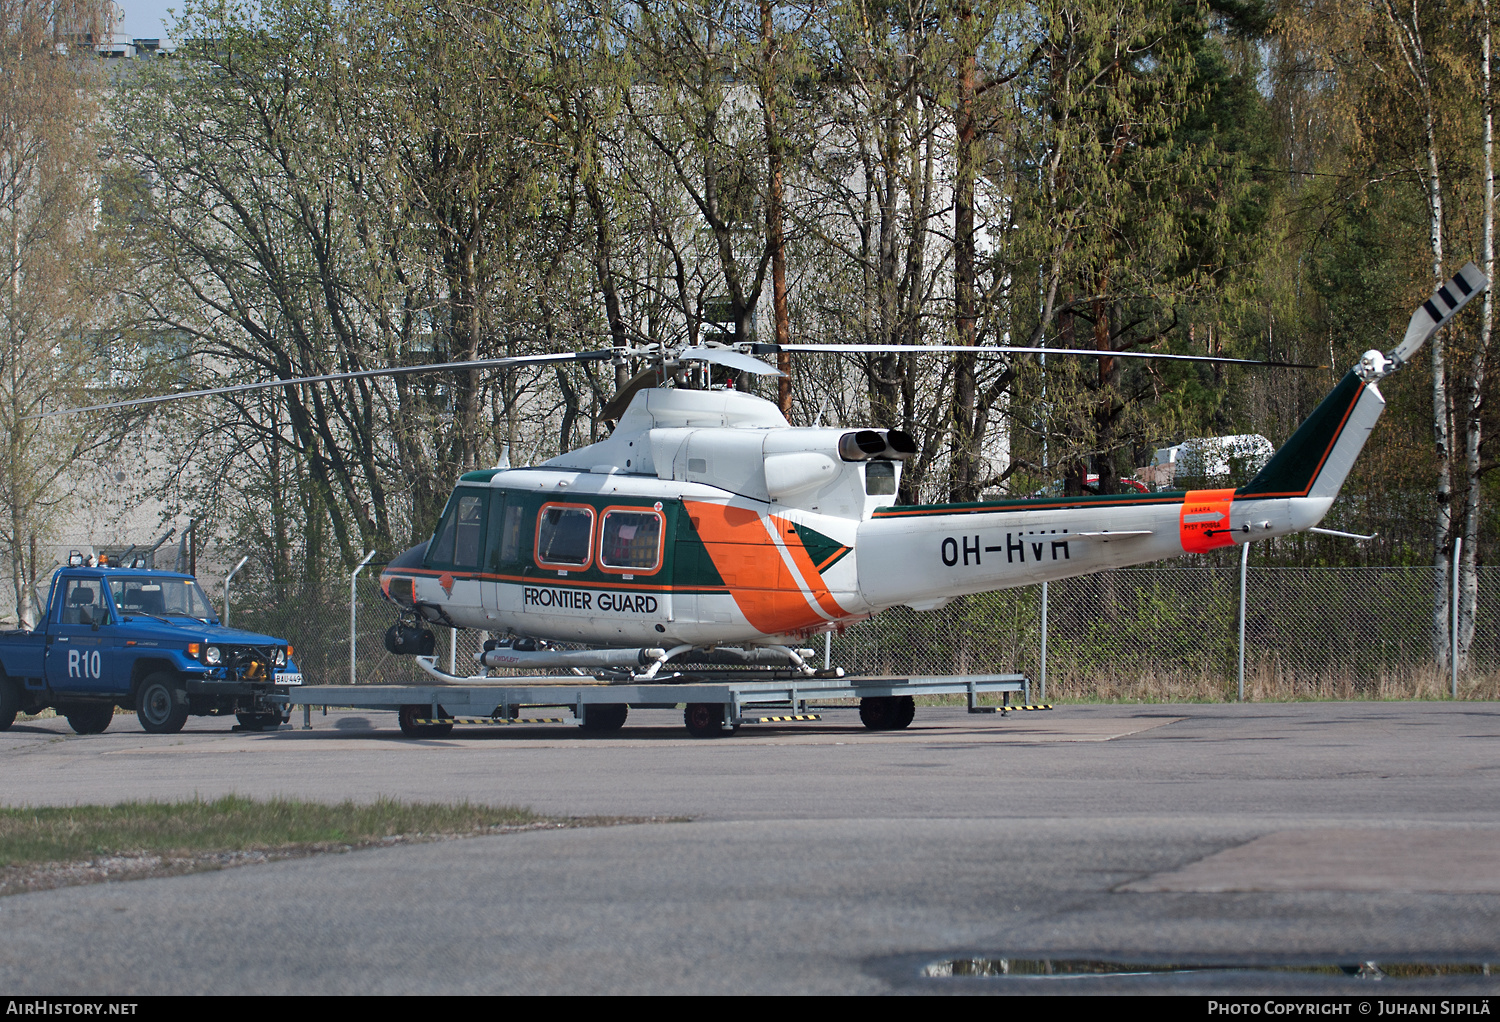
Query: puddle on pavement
(1086, 968)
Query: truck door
(84, 647)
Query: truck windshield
(160, 597)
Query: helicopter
(708, 530)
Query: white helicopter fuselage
(706, 519)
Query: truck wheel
(411, 713)
(90, 718)
(10, 701)
(705, 720)
(604, 716)
(259, 721)
(160, 705)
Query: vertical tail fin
(1317, 459)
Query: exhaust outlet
(899, 445)
(861, 445)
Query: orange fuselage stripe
(737, 541)
(805, 567)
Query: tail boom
(925, 556)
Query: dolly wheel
(604, 716)
(880, 713)
(705, 720)
(412, 712)
(90, 718)
(10, 700)
(906, 709)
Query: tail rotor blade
(1434, 314)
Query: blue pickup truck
(143, 640)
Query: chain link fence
(1132, 634)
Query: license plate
(288, 679)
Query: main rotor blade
(731, 358)
(1009, 349)
(241, 388)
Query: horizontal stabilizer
(1433, 314)
(1107, 536)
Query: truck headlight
(281, 658)
(212, 656)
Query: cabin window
(510, 538)
(880, 478)
(504, 545)
(563, 534)
(468, 532)
(630, 541)
(460, 536)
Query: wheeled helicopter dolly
(712, 707)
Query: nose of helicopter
(399, 572)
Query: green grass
(231, 824)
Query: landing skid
(644, 666)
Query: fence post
(1042, 697)
(227, 579)
(1244, 570)
(1458, 542)
(353, 610)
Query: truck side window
(84, 598)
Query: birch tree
(1474, 403)
(1397, 73)
(56, 271)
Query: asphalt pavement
(807, 858)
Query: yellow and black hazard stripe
(778, 720)
(1007, 709)
(491, 720)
